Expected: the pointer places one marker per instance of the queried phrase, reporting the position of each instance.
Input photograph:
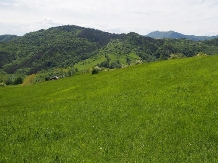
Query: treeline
(149, 49)
(10, 79)
(45, 75)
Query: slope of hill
(172, 34)
(155, 112)
(69, 46)
(5, 38)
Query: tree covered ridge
(64, 46)
(173, 34)
(5, 38)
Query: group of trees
(110, 65)
(46, 75)
(11, 79)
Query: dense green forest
(65, 46)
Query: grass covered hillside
(155, 112)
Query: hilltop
(56, 47)
(176, 35)
(163, 111)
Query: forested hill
(56, 47)
(173, 34)
(65, 46)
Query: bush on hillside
(105, 64)
(136, 62)
(2, 85)
(18, 80)
(115, 64)
(201, 54)
(176, 56)
(96, 70)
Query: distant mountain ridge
(5, 38)
(176, 35)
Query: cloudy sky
(198, 17)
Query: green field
(165, 111)
(92, 62)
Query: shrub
(104, 64)
(176, 56)
(9, 80)
(201, 54)
(138, 62)
(2, 85)
(47, 78)
(18, 80)
(96, 70)
(115, 64)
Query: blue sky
(198, 17)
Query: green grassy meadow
(91, 62)
(164, 111)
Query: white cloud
(48, 21)
(189, 17)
